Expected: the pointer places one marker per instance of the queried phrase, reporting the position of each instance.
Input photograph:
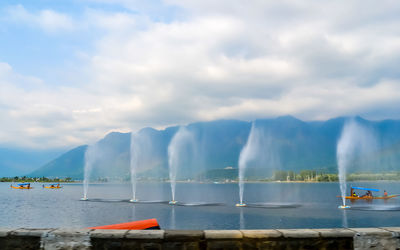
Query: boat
(371, 198)
(368, 197)
(52, 186)
(22, 186)
(149, 224)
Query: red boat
(150, 224)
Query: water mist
(248, 153)
(90, 159)
(180, 143)
(355, 141)
(134, 162)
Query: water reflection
(241, 220)
(345, 223)
(172, 222)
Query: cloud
(48, 20)
(215, 60)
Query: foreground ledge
(335, 238)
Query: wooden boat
(133, 225)
(22, 186)
(370, 197)
(53, 186)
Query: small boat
(149, 224)
(368, 195)
(22, 186)
(52, 186)
(371, 198)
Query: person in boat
(367, 194)
(52, 185)
(29, 185)
(385, 194)
(58, 185)
(354, 194)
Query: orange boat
(53, 186)
(22, 186)
(133, 225)
(368, 195)
(371, 198)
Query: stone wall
(351, 238)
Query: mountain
(290, 144)
(69, 164)
(20, 161)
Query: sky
(72, 71)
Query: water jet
(181, 142)
(355, 141)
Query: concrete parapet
(79, 239)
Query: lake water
(43, 208)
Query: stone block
(335, 233)
(394, 230)
(148, 246)
(173, 245)
(192, 245)
(145, 234)
(362, 242)
(371, 231)
(71, 232)
(223, 234)
(30, 232)
(66, 239)
(183, 235)
(224, 244)
(299, 233)
(108, 244)
(108, 234)
(260, 234)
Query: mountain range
(216, 145)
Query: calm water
(62, 208)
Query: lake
(43, 208)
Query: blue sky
(72, 71)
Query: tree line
(34, 179)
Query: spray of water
(141, 157)
(134, 162)
(244, 156)
(177, 151)
(356, 141)
(259, 151)
(90, 159)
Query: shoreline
(200, 182)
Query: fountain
(181, 141)
(134, 162)
(354, 141)
(248, 153)
(90, 158)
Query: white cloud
(224, 59)
(48, 20)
